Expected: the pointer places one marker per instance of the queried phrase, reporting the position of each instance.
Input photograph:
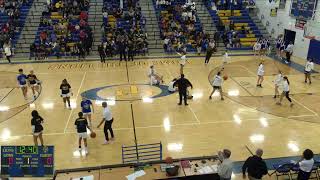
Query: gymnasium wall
(284, 21)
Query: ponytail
(286, 78)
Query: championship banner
(274, 12)
(300, 23)
(303, 8)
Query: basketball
(169, 160)
(93, 135)
(225, 77)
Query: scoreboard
(303, 8)
(27, 161)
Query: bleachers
(246, 29)
(67, 32)
(123, 22)
(191, 39)
(19, 24)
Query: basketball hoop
(311, 28)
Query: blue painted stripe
(293, 65)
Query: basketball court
(248, 118)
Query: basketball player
(285, 92)
(282, 48)
(278, 45)
(217, 85)
(108, 120)
(182, 61)
(257, 48)
(155, 79)
(277, 84)
(263, 47)
(66, 92)
(81, 125)
(226, 57)
(37, 128)
(33, 83)
(86, 106)
(171, 88)
(307, 70)
(22, 81)
(260, 74)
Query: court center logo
(126, 92)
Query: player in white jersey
(226, 58)
(260, 74)
(285, 92)
(182, 61)
(307, 70)
(277, 84)
(155, 79)
(257, 48)
(217, 85)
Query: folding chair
(283, 170)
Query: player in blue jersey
(87, 109)
(22, 81)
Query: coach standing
(108, 119)
(182, 85)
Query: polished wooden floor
(247, 117)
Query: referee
(108, 119)
(182, 85)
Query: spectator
(305, 165)
(7, 51)
(255, 166)
(102, 53)
(32, 50)
(66, 19)
(225, 165)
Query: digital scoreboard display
(27, 161)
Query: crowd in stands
(10, 24)
(233, 22)
(63, 30)
(123, 30)
(180, 29)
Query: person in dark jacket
(102, 53)
(122, 50)
(182, 85)
(130, 50)
(255, 166)
(32, 50)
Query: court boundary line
(194, 114)
(71, 112)
(251, 95)
(158, 126)
(316, 114)
(5, 96)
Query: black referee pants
(183, 94)
(108, 126)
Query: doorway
(289, 36)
